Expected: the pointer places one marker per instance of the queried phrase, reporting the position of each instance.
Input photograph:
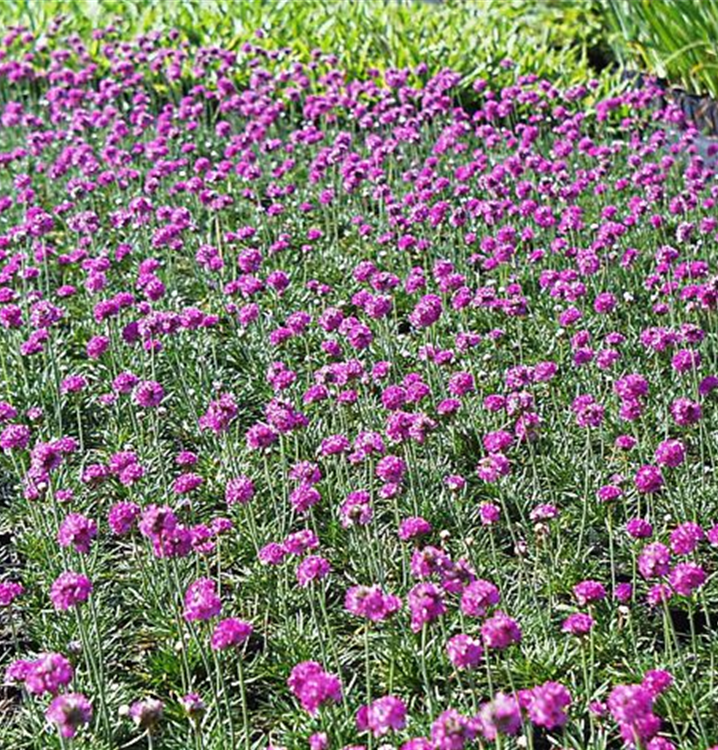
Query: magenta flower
(427, 311)
(122, 517)
(186, 483)
(687, 577)
(312, 568)
(14, 437)
(201, 601)
(148, 394)
(69, 712)
(578, 624)
(649, 479)
(313, 687)
(70, 589)
(382, 716)
(685, 538)
(464, 652)
(654, 560)
(547, 705)
(639, 528)
(49, 673)
(9, 591)
(426, 605)
(631, 707)
(219, 414)
(587, 592)
(452, 731)
(489, 514)
(371, 602)
(356, 510)
(230, 633)
(77, 531)
(239, 490)
(492, 467)
(686, 412)
(272, 553)
(413, 528)
(500, 631)
(670, 453)
(502, 715)
(657, 681)
(478, 597)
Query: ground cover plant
(336, 415)
(564, 39)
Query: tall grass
(676, 39)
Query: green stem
(243, 693)
(424, 671)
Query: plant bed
(337, 415)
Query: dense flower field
(337, 416)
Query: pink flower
(15, 437)
(69, 711)
(49, 673)
(500, 716)
(452, 731)
(122, 517)
(148, 394)
(426, 604)
(670, 453)
(654, 560)
(413, 528)
(464, 652)
(500, 631)
(685, 538)
(631, 707)
(587, 592)
(272, 554)
(639, 528)
(578, 624)
(371, 602)
(9, 591)
(186, 483)
(427, 311)
(492, 467)
(382, 716)
(649, 479)
(687, 577)
(77, 531)
(686, 412)
(312, 568)
(201, 601)
(219, 414)
(313, 687)
(489, 514)
(305, 496)
(239, 490)
(230, 633)
(69, 590)
(477, 597)
(547, 705)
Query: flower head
(69, 712)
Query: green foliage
(676, 39)
(558, 39)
